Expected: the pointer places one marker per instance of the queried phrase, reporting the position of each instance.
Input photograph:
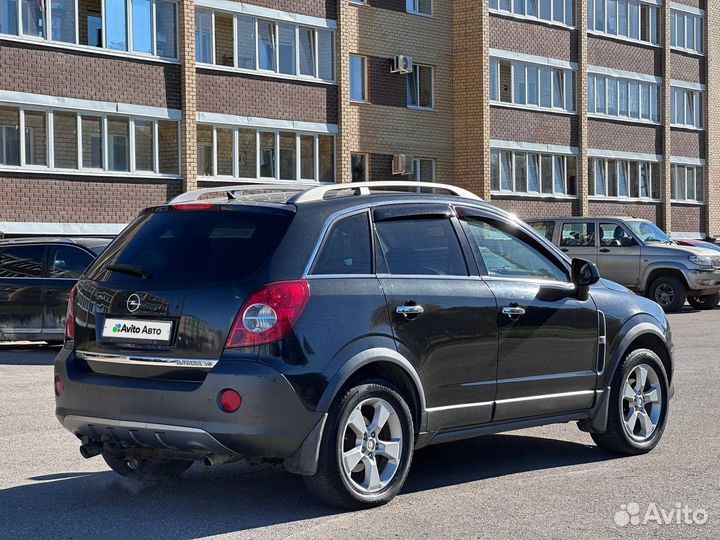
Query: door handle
(513, 311)
(604, 250)
(409, 311)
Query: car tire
(632, 435)
(670, 292)
(704, 303)
(146, 469)
(379, 470)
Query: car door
(578, 239)
(548, 338)
(444, 319)
(21, 282)
(65, 264)
(619, 254)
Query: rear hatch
(161, 300)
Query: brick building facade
(544, 107)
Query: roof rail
(230, 191)
(365, 188)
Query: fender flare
(645, 283)
(630, 331)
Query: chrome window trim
(134, 360)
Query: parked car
(698, 243)
(334, 330)
(637, 254)
(36, 275)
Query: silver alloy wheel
(641, 404)
(371, 445)
(664, 294)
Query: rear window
(197, 246)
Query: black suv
(335, 329)
(36, 276)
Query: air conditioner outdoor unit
(402, 64)
(403, 164)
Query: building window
(631, 19)
(147, 27)
(531, 85)
(88, 141)
(686, 108)
(250, 154)
(262, 45)
(533, 173)
(687, 183)
(419, 7)
(358, 78)
(687, 32)
(423, 170)
(359, 167)
(623, 98)
(623, 179)
(556, 11)
(420, 89)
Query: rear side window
(544, 228)
(578, 235)
(421, 247)
(22, 261)
(347, 248)
(67, 262)
(197, 246)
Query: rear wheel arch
(383, 365)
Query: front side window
(544, 228)
(346, 248)
(421, 247)
(68, 262)
(577, 235)
(22, 261)
(614, 235)
(358, 75)
(505, 253)
(420, 87)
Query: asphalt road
(549, 482)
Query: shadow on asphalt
(237, 497)
(28, 354)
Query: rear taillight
(269, 314)
(70, 319)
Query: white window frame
(496, 7)
(275, 73)
(697, 21)
(698, 108)
(413, 7)
(653, 28)
(416, 77)
(416, 169)
(215, 177)
(364, 59)
(631, 163)
(514, 103)
(102, 50)
(531, 152)
(644, 88)
(698, 171)
(106, 151)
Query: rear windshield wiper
(129, 269)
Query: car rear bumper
(184, 417)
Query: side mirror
(584, 274)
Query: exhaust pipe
(91, 449)
(213, 460)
